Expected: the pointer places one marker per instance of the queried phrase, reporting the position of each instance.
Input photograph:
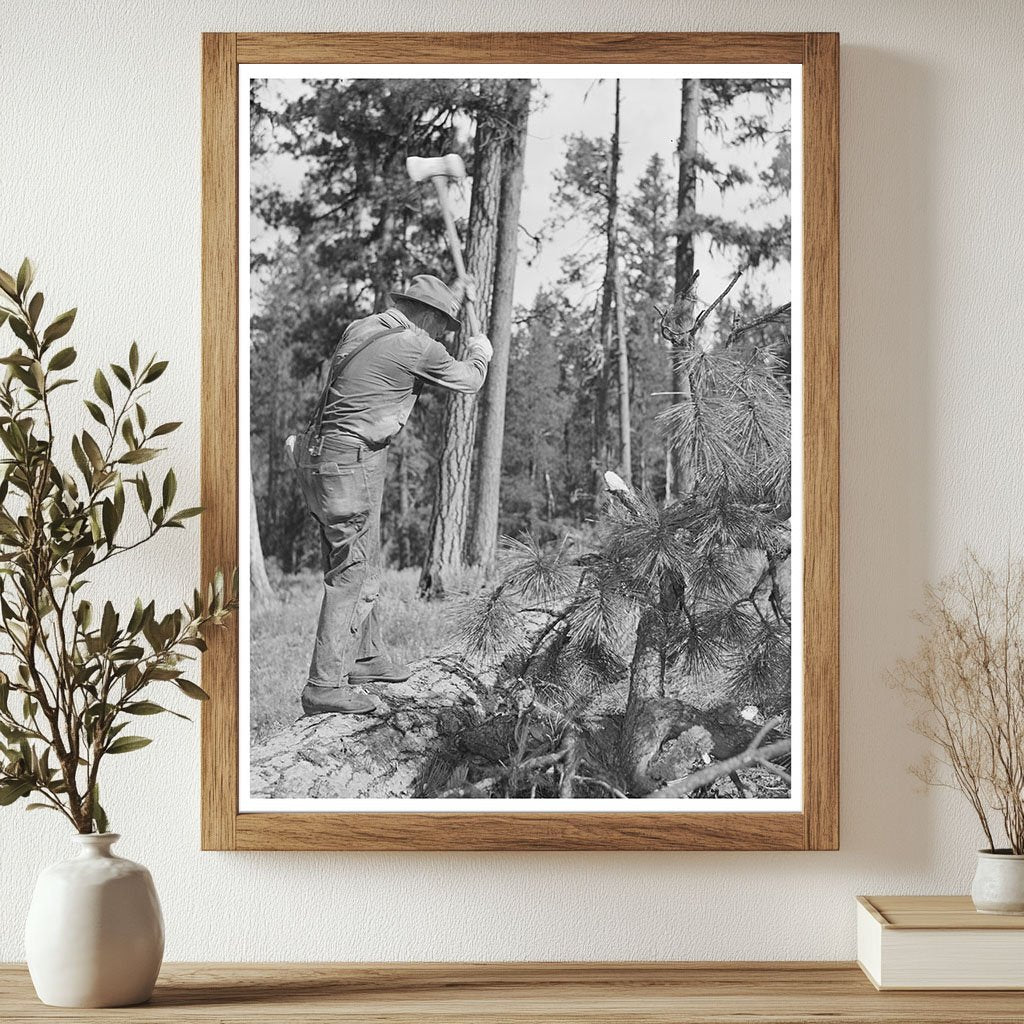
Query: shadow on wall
(888, 297)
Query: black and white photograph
(518, 358)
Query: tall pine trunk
(679, 472)
(483, 541)
(448, 523)
(600, 442)
(625, 437)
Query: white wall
(99, 181)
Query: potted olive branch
(81, 670)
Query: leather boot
(338, 700)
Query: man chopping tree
(377, 372)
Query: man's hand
(465, 289)
(479, 343)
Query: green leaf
(186, 513)
(16, 359)
(139, 455)
(34, 308)
(143, 707)
(154, 372)
(20, 329)
(121, 374)
(15, 790)
(63, 359)
(60, 326)
(99, 816)
(108, 626)
(148, 707)
(145, 497)
(7, 283)
(92, 449)
(26, 274)
(128, 433)
(119, 499)
(95, 412)
(166, 428)
(102, 388)
(170, 487)
(80, 458)
(126, 744)
(191, 690)
(84, 614)
(109, 521)
(133, 358)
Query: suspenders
(314, 429)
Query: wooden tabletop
(662, 993)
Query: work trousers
(343, 486)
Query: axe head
(449, 166)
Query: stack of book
(938, 942)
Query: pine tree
(597, 645)
(483, 536)
(449, 521)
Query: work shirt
(372, 397)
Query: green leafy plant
(81, 672)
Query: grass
(282, 640)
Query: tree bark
(448, 524)
(484, 534)
(260, 589)
(625, 436)
(679, 474)
(381, 273)
(600, 445)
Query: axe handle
(441, 184)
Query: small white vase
(999, 883)
(95, 934)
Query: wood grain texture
(219, 429)
(520, 48)
(821, 440)
(612, 993)
(487, 831)
(818, 826)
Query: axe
(440, 169)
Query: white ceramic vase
(999, 883)
(95, 934)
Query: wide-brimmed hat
(433, 292)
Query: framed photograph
(520, 418)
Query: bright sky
(650, 124)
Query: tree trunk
(381, 270)
(451, 503)
(260, 590)
(484, 533)
(679, 475)
(625, 439)
(600, 448)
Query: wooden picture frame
(816, 827)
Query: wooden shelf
(659, 993)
